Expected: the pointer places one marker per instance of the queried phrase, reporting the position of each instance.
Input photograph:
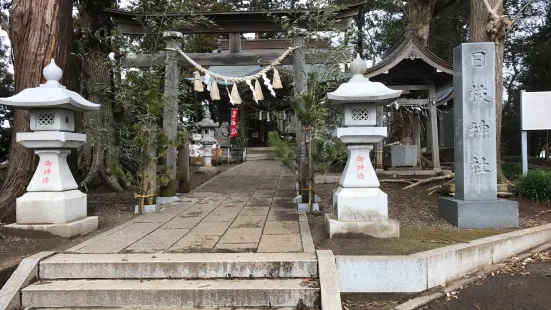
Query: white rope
(230, 78)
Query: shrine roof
(226, 22)
(408, 48)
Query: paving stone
(174, 209)
(211, 228)
(155, 218)
(281, 228)
(255, 211)
(182, 223)
(280, 244)
(241, 235)
(191, 243)
(244, 221)
(195, 212)
(159, 240)
(277, 215)
(259, 202)
(120, 239)
(236, 247)
(222, 216)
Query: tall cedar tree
(39, 31)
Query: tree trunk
(99, 158)
(478, 33)
(418, 13)
(39, 31)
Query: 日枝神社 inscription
(475, 204)
(480, 129)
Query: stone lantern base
(361, 212)
(62, 214)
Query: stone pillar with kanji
(360, 208)
(53, 205)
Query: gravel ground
(421, 228)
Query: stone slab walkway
(246, 209)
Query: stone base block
(50, 207)
(360, 204)
(165, 200)
(78, 227)
(298, 198)
(500, 213)
(304, 207)
(207, 170)
(383, 228)
(147, 209)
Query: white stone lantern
(207, 127)
(360, 208)
(53, 203)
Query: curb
(328, 281)
(25, 274)
(437, 293)
(421, 271)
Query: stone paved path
(245, 209)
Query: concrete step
(171, 293)
(179, 266)
(184, 308)
(259, 158)
(270, 149)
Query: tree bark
(419, 14)
(478, 33)
(99, 158)
(39, 31)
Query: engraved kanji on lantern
(53, 202)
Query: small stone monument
(207, 127)
(53, 203)
(360, 208)
(475, 204)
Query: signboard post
(535, 108)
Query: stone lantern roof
(207, 122)
(361, 90)
(50, 95)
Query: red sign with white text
(233, 124)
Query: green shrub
(511, 171)
(536, 186)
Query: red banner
(233, 124)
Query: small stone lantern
(207, 127)
(360, 208)
(53, 203)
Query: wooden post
(441, 131)
(299, 71)
(170, 111)
(184, 185)
(434, 128)
(150, 174)
(417, 136)
(379, 148)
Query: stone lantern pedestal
(53, 204)
(208, 127)
(360, 208)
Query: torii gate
(228, 23)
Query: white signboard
(535, 110)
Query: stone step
(260, 158)
(179, 266)
(171, 293)
(270, 149)
(183, 308)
